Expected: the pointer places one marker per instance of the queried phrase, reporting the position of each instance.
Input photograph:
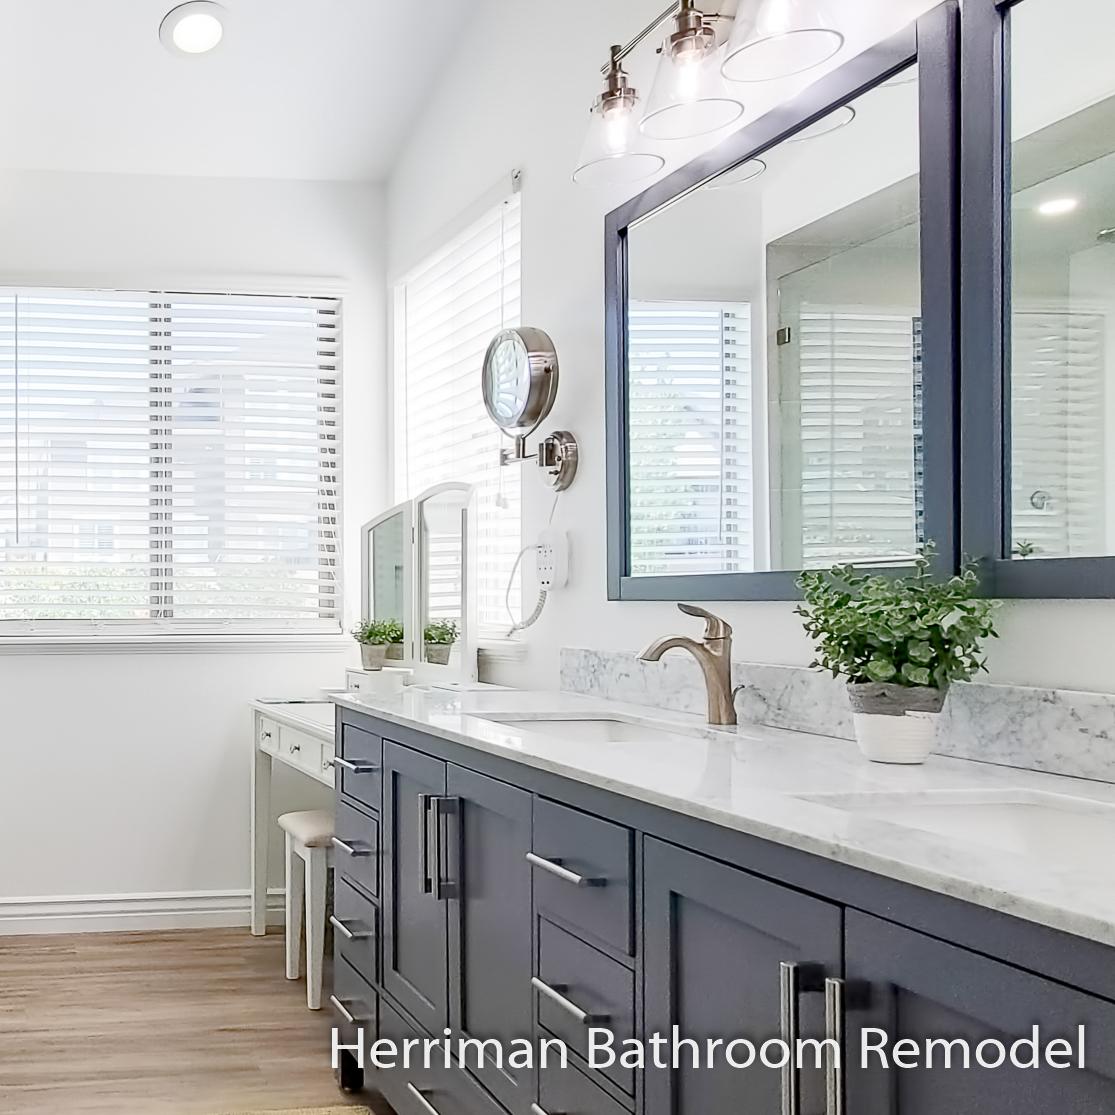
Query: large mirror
(773, 366)
(444, 571)
(386, 578)
(1061, 335)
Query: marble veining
(772, 784)
(1053, 730)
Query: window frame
(176, 635)
(986, 341)
(932, 44)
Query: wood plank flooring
(195, 1022)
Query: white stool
(309, 837)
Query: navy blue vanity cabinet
(415, 920)
(726, 955)
(916, 987)
(487, 840)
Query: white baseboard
(115, 913)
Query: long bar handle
(536, 1110)
(554, 994)
(834, 1032)
(445, 807)
(342, 1010)
(555, 868)
(424, 844)
(354, 850)
(356, 766)
(789, 986)
(426, 1105)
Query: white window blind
(168, 461)
(689, 422)
(859, 384)
(447, 311)
(1058, 482)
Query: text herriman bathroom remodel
(675, 1051)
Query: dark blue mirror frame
(985, 328)
(933, 44)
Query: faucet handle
(715, 627)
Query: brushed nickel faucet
(714, 656)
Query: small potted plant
(374, 637)
(394, 631)
(900, 643)
(440, 637)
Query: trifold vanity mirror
(781, 353)
(418, 572)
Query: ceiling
(318, 89)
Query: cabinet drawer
(267, 736)
(300, 749)
(356, 847)
(569, 1092)
(569, 846)
(574, 977)
(355, 1005)
(359, 765)
(356, 928)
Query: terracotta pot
(372, 655)
(895, 723)
(438, 653)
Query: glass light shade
(739, 176)
(779, 38)
(611, 154)
(689, 98)
(832, 122)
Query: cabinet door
(917, 987)
(490, 921)
(415, 925)
(724, 950)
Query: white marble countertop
(750, 779)
(313, 715)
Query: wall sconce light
(610, 152)
(690, 96)
(773, 39)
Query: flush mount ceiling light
(772, 39)
(610, 153)
(690, 96)
(193, 28)
(1058, 206)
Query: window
(689, 420)
(447, 311)
(168, 461)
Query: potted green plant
(900, 642)
(439, 637)
(374, 637)
(394, 631)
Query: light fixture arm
(619, 53)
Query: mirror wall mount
(932, 45)
(520, 384)
(998, 150)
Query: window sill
(174, 644)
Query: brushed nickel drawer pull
(347, 933)
(426, 1105)
(342, 1010)
(555, 868)
(356, 766)
(789, 989)
(351, 849)
(834, 1031)
(536, 1110)
(554, 994)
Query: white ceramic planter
(905, 739)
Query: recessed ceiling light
(1058, 206)
(193, 28)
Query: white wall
(517, 95)
(128, 774)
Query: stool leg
(317, 874)
(294, 890)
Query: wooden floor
(197, 1022)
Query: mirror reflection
(1062, 335)
(442, 555)
(388, 575)
(774, 355)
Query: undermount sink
(590, 729)
(1025, 821)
